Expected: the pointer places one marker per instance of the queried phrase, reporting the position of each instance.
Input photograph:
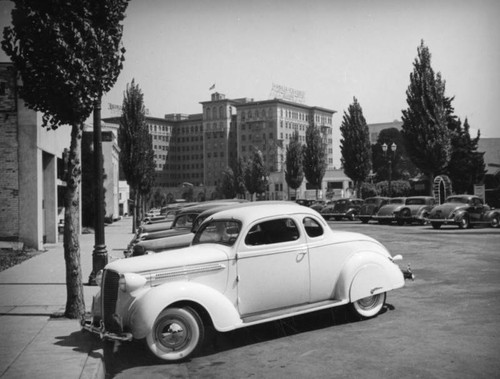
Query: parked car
(415, 209)
(182, 225)
(242, 269)
(342, 208)
(370, 207)
(305, 202)
(318, 205)
(464, 211)
(385, 214)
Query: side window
(273, 231)
(312, 227)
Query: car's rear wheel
(369, 306)
(364, 220)
(436, 225)
(337, 218)
(464, 222)
(176, 335)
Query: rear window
(313, 228)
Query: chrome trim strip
(167, 274)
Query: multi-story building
(196, 149)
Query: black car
(342, 208)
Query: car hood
(390, 209)
(192, 255)
(447, 208)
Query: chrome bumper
(408, 274)
(88, 325)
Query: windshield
(218, 231)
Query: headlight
(98, 278)
(129, 282)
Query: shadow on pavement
(120, 357)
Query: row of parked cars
(464, 211)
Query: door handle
(300, 256)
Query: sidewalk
(36, 345)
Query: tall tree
(466, 166)
(228, 187)
(256, 179)
(314, 157)
(294, 171)
(355, 145)
(136, 153)
(239, 177)
(425, 131)
(259, 173)
(68, 54)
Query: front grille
(109, 296)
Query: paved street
(445, 324)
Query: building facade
(31, 202)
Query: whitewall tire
(176, 335)
(369, 306)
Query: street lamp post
(389, 157)
(100, 254)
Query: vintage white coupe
(245, 266)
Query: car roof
(264, 209)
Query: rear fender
(367, 274)
(145, 309)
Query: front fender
(367, 274)
(145, 309)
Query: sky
(332, 50)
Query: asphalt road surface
(445, 324)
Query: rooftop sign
(279, 91)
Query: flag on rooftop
(213, 86)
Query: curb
(94, 367)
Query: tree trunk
(75, 303)
(134, 218)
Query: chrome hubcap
(172, 334)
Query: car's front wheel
(464, 222)
(369, 306)
(176, 335)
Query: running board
(277, 314)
